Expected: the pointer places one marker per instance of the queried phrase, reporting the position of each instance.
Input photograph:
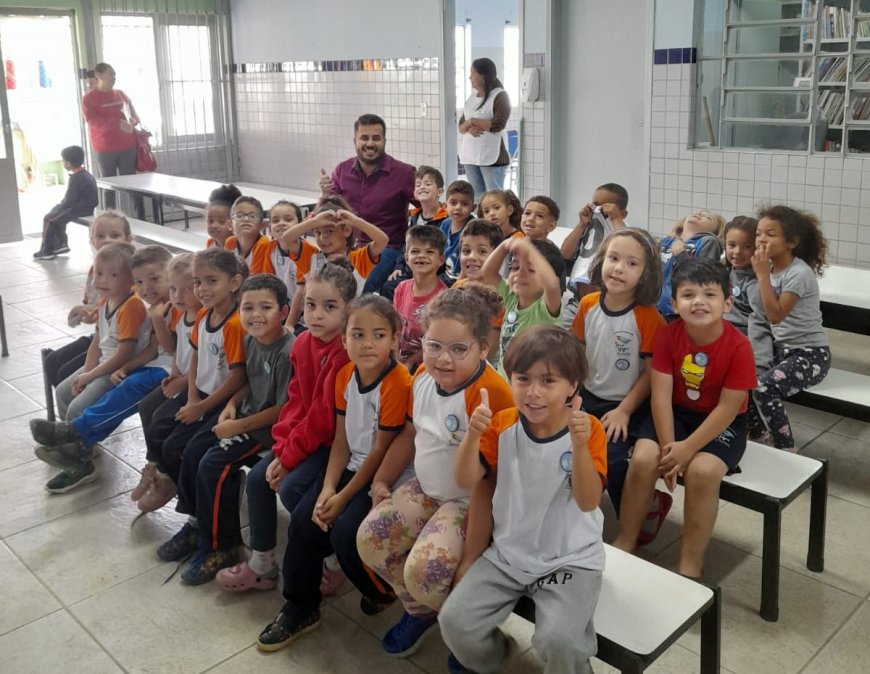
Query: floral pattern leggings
(793, 371)
(415, 543)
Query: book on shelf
(833, 69)
(861, 70)
(861, 109)
(831, 104)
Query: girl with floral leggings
(414, 537)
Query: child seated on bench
(548, 462)
(790, 252)
(702, 369)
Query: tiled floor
(82, 589)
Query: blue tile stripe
(675, 55)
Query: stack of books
(831, 106)
(861, 109)
(833, 69)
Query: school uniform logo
(566, 463)
(451, 423)
(622, 347)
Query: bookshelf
(796, 75)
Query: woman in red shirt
(111, 117)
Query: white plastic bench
(643, 609)
(770, 479)
(841, 392)
(148, 232)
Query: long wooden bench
(643, 609)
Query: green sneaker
(67, 455)
(71, 478)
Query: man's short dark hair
(702, 272)
(427, 234)
(619, 192)
(369, 120)
(268, 282)
(74, 154)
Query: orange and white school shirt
(218, 349)
(310, 260)
(257, 258)
(441, 422)
(282, 266)
(183, 346)
(538, 528)
(617, 342)
(380, 406)
(164, 358)
(127, 322)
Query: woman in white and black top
(482, 149)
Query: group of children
(457, 430)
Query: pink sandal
(240, 578)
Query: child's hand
(118, 376)
(157, 310)
(172, 386)
(80, 382)
(379, 492)
(761, 261)
(675, 458)
(326, 512)
(325, 183)
(191, 412)
(612, 212)
(615, 422)
(346, 218)
(275, 473)
(396, 274)
(481, 418)
(227, 428)
(579, 425)
(229, 412)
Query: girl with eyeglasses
(414, 537)
(248, 241)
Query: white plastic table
(193, 192)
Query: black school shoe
(51, 433)
(284, 630)
(43, 255)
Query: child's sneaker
(180, 545)
(50, 433)
(240, 578)
(149, 474)
(371, 606)
(205, 564)
(70, 478)
(331, 581)
(661, 506)
(159, 493)
(406, 636)
(68, 455)
(456, 667)
(284, 630)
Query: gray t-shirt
(803, 326)
(269, 373)
(747, 315)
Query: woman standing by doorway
(481, 149)
(111, 117)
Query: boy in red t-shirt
(702, 369)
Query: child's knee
(645, 456)
(428, 578)
(705, 470)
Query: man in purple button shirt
(376, 186)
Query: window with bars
(784, 74)
(169, 67)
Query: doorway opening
(42, 88)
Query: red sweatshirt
(307, 420)
(103, 111)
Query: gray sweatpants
(564, 605)
(68, 406)
(121, 163)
